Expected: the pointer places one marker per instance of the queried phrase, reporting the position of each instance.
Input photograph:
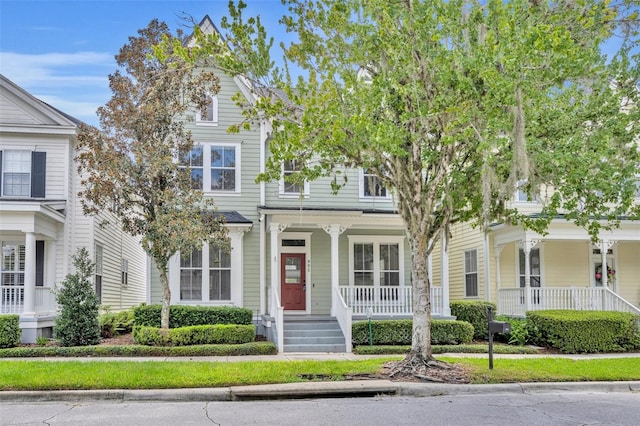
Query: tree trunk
(421, 333)
(166, 298)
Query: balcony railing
(386, 300)
(512, 301)
(12, 300)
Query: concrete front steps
(312, 333)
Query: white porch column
(275, 229)
(526, 246)
(29, 275)
(334, 231)
(604, 246)
(444, 274)
(497, 253)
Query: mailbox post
(495, 327)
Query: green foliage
(523, 332)
(116, 323)
(10, 332)
(194, 335)
(252, 348)
(183, 315)
(474, 312)
(587, 331)
(398, 332)
(77, 321)
(42, 341)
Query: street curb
(362, 388)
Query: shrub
(399, 332)
(184, 316)
(10, 333)
(587, 331)
(116, 323)
(523, 332)
(475, 313)
(194, 335)
(77, 322)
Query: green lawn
(52, 375)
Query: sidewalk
(349, 388)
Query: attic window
(209, 116)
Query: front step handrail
(620, 304)
(344, 316)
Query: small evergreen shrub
(399, 332)
(78, 306)
(587, 331)
(10, 333)
(523, 332)
(184, 316)
(194, 335)
(475, 313)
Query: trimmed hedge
(587, 331)
(185, 316)
(115, 323)
(399, 332)
(253, 348)
(194, 335)
(475, 313)
(443, 349)
(10, 333)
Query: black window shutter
(39, 263)
(38, 173)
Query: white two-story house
(41, 219)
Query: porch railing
(512, 301)
(344, 316)
(277, 312)
(12, 299)
(386, 300)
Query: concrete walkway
(349, 388)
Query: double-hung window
(205, 275)
(523, 193)
(215, 167)
(376, 261)
(22, 173)
(287, 186)
(13, 261)
(471, 273)
(371, 186)
(208, 116)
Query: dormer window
(209, 116)
(522, 194)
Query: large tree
(453, 104)
(132, 167)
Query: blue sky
(63, 51)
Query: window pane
(217, 153)
(220, 285)
(196, 178)
(229, 180)
(389, 278)
(471, 285)
(363, 278)
(229, 157)
(363, 257)
(191, 284)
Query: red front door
(293, 281)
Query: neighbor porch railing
(12, 299)
(344, 316)
(512, 301)
(386, 300)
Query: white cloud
(85, 111)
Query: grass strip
(549, 369)
(49, 375)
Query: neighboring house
(298, 252)
(521, 270)
(41, 220)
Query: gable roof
(20, 108)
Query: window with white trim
(124, 272)
(16, 174)
(637, 187)
(208, 116)
(98, 272)
(522, 195)
(215, 167)
(371, 186)
(205, 274)
(376, 261)
(290, 167)
(471, 273)
(13, 260)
